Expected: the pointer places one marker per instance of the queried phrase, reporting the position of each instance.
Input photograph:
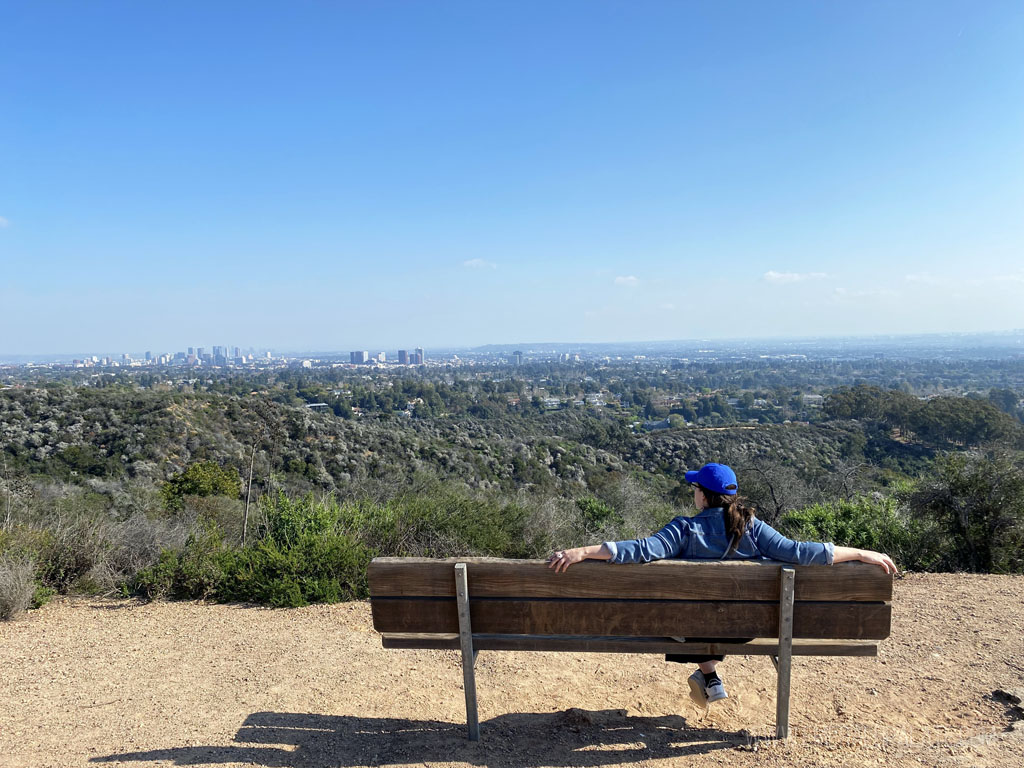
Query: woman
(725, 527)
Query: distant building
(149, 356)
(358, 358)
(403, 357)
(420, 357)
(517, 358)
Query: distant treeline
(100, 485)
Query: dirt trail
(113, 683)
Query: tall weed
(17, 585)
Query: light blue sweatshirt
(703, 537)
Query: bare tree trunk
(7, 487)
(248, 493)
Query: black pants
(693, 658)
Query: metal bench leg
(468, 654)
(785, 661)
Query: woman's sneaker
(697, 694)
(703, 692)
(715, 690)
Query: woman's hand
(563, 558)
(846, 554)
(878, 558)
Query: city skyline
(392, 355)
(331, 176)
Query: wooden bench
(488, 604)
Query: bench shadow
(574, 737)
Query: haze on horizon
(318, 176)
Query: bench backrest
(724, 599)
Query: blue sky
(349, 175)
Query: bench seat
(611, 644)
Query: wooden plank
(854, 621)
(664, 580)
(468, 654)
(784, 661)
(659, 645)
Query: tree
(978, 498)
(1004, 399)
(961, 420)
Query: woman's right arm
(563, 558)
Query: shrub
(323, 568)
(17, 585)
(204, 478)
(977, 500)
(302, 558)
(878, 523)
(195, 571)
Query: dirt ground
(115, 683)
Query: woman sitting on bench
(724, 528)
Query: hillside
(95, 682)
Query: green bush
(880, 524)
(302, 557)
(316, 569)
(41, 595)
(204, 478)
(196, 571)
(597, 514)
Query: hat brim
(691, 476)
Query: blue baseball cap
(715, 477)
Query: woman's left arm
(846, 554)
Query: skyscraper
(403, 357)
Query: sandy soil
(114, 683)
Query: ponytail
(736, 512)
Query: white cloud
(627, 280)
(3, 222)
(784, 278)
(479, 264)
(926, 278)
(870, 293)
